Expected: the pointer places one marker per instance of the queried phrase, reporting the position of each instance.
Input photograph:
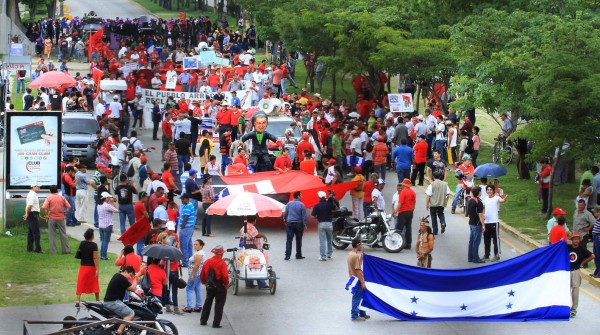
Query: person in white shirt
(136, 143)
(115, 108)
(64, 102)
(155, 184)
(356, 144)
(100, 109)
(171, 76)
(183, 124)
(491, 208)
(122, 154)
(45, 98)
(135, 57)
(156, 82)
(32, 215)
(122, 51)
(377, 196)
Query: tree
(562, 90)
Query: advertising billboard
(33, 149)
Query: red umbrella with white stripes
(246, 203)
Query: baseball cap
(34, 184)
(305, 136)
(193, 172)
(124, 139)
(155, 176)
(575, 234)
(144, 160)
(379, 181)
(106, 195)
(322, 194)
(559, 211)
(331, 161)
(379, 138)
(162, 199)
(170, 225)
(100, 165)
(115, 97)
(107, 171)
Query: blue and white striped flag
(224, 192)
(352, 284)
(534, 286)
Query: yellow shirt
(360, 194)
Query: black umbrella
(162, 251)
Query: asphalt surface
(108, 9)
(310, 298)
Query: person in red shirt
(380, 152)
(169, 180)
(158, 278)
(173, 211)
(167, 132)
(223, 117)
(214, 291)
(283, 163)
(308, 164)
(363, 106)
(406, 206)
(214, 80)
(241, 157)
(468, 170)
(129, 258)
(544, 181)
(420, 150)
(558, 232)
(368, 188)
(303, 146)
(140, 212)
(234, 116)
(183, 105)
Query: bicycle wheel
(496, 152)
(115, 180)
(506, 155)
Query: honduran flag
(352, 284)
(534, 286)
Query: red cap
(331, 161)
(265, 95)
(162, 199)
(107, 171)
(559, 211)
(379, 138)
(144, 160)
(357, 169)
(155, 176)
(100, 165)
(305, 136)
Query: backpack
(211, 281)
(143, 172)
(130, 172)
(470, 148)
(130, 147)
(22, 73)
(145, 282)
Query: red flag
(97, 76)
(136, 232)
(95, 39)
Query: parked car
(79, 135)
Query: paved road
(108, 9)
(310, 298)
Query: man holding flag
(355, 259)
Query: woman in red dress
(87, 280)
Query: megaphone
(276, 104)
(266, 105)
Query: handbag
(145, 282)
(78, 253)
(181, 283)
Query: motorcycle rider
(467, 170)
(115, 291)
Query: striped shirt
(188, 210)
(96, 180)
(596, 229)
(105, 215)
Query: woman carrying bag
(194, 287)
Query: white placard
(401, 102)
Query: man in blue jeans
(125, 192)
(404, 157)
(355, 259)
(187, 223)
(476, 225)
(322, 211)
(294, 218)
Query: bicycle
(503, 151)
(248, 269)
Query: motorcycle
(371, 231)
(145, 308)
(465, 193)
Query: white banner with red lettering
(149, 96)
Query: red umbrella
(246, 203)
(53, 79)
